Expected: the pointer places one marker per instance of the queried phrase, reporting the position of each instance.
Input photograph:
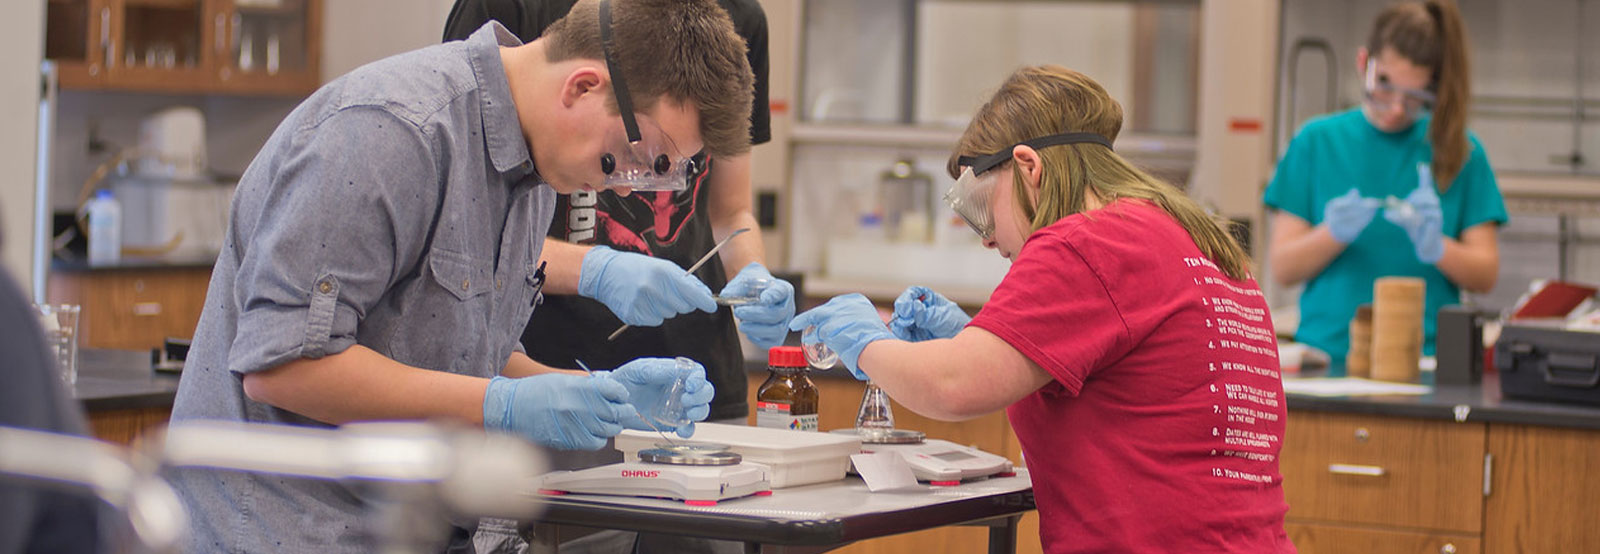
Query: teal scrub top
(1337, 152)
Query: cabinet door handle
(1448, 548)
(105, 35)
(1353, 469)
(220, 40)
(147, 308)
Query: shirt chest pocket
(461, 275)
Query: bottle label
(776, 415)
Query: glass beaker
(907, 199)
(60, 322)
(668, 411)
(817, 353)
(750, 295)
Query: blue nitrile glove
(1424, 222)
(639, 289)
(766, 321)
(1349, 214)
(647, 379)
(846, 324)
(921, 314)
(557, 410)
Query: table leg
(543, 539)
(1003, 536)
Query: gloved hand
(1424, 220)
(648, 379)
(766, 321)
(557, 410)
(1349, 214)
(921, 314)
(846, 324)
(640, 289)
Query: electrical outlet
(767, 209)
(96, 145)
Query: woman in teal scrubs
(1405, 154)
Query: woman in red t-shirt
(1128, 344)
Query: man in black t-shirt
(676, 226)
(679, 226)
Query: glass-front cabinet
(270, 45)
(185, 46)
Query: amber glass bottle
(788, 399)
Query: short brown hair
(685, 50)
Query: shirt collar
(502, 130)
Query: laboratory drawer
(1337, 539)
(1389, 471)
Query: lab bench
(121, 394)
(1459, 470)
(811, 518)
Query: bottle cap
(102, 193)
(786, 356)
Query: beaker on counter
(906, 195)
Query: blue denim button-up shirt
(396, 208)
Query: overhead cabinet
(186, 46)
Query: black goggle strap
(980, 164)
(619, 88)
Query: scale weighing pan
(884, 436)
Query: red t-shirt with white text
(1161, 430)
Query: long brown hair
(1431, 34)
(1044, 100)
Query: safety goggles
(970, 196)
(1382, 94)
(640, 156)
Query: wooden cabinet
(1393, 472)
(186, 46)
(1375, 484)
(1380, 484)
(1325, 538)
(839, 399)
(127, 426)
(133, 309)
(1542, 496)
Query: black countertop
(131, 263)
(121, 380)
(1463, 403)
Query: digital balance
(939, 462)
(699, 474)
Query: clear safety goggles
(651, 162)
(640, 156)
(1383, 94)
(970, 196)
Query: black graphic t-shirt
(667, 225)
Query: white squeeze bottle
(105, 229)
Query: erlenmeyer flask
(875, 415)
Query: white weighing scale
(699, 474)
(939, 462)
